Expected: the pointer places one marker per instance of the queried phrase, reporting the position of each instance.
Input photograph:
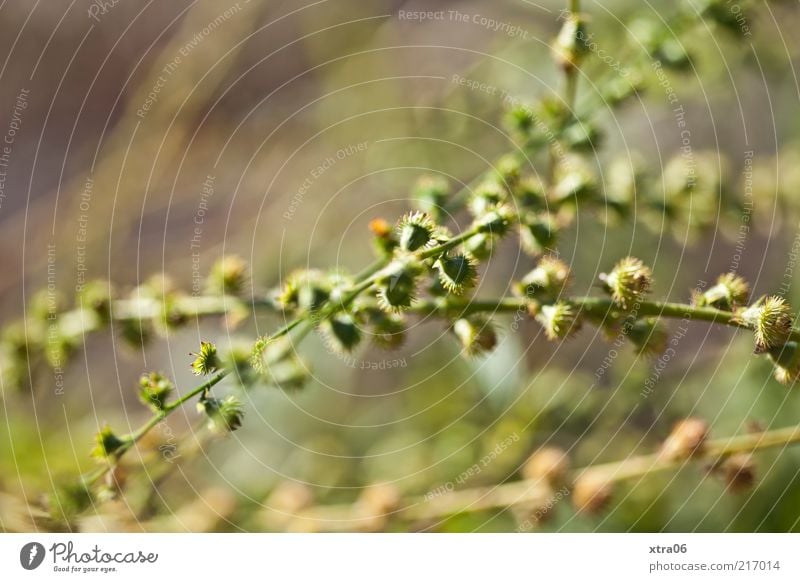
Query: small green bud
(155, 390)
(388, 330)
(497, 221)
(137, 332)
(787, 362)
(570, 47)
(476, 334)
(69, 499)
(509, 170)
(341, 332)
(97, 296)
(415, 231)
(397, 287)
(228, 276)
(431, 193)
(520, 119)
(730, 292)
(487, 196)
(629, 281)
(546, 282)
(538, 234)
(239, 361)
(559, 320)
(384, 240)
(457, 273)
(306, 290)
(574, 179)
(648, 335)
(46, 305)
(480, 246)
(531, 194)
(206, 361)
(771, 320)
(224, 415)
(108, 446)
(291, 373)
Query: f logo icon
(31, 555)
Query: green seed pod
(238, 359)
(228, 276)
(68, 500)
(574, 180)
(570, 47)
(415, 231)
(629, 281)
(546, 282)
(206, 361)
(731, 291)
(508, 170)
(480, 246)
(97, 296)
(520, 119)
(397, 287)
(559, 320)
(771, 320)
(583, 135)
(137, 332)
(648, 335)
(108, 446)
(289, 374)
(476, 334)
(305, 290)
(388, 330)
(171, 315)
(531, 194)
(486, 197)
(625, 177)
(155, 390)
(341, 332)
(787, 362)
(457, 273)
(224, 415)
(497, 221)
(46, 305)
(430, 194)
(538, 234)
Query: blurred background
(149, 137)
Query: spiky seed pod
(487, 196)
(583, 135)
(224, 415)
(388, 330)
(430, 194)
(570, 47)
(97, 296)
(574, 180)
(538, 234)
(591, 492)
(415, 231)
(787, 362)
(46, 305)
(384, 239)
(206, 360)
(480, 246)
(508, 170)
(688, 437)
(397, 286)
(137, 332)
(108, 446)
(628, 282)
(731, 291)
(548, 464)
(290, 373)
(546, 282)
(228, 276)
(341, 333)
(238, 359)
(771, 320)
(155, 390)
(171, 315)
(497, 221)
(305, 290)
(559, 320)
(738, 472)
(520, 119)
(476, 334)
(531, 194)
(457, 273)
(648, 335)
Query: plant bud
(731, 291)
(787, 362)
(480, 246)
(108, 446)
(431, 193)
(574, 179)
(154, 390)
(305, 290)
(415, 231)
(538, 234)
(548, 464)
(592, 492)
(487, 196)
(771, 320)
(457, 273)
(206, 361)
(388, 330)
(476, 334)
(228, 276)
(385, 241)
(559, 320)
(628, 282)
(341, 332)
(497, 221)
(397, 287)
(238, 359)
(648, 335)
(509, 170)
(688, 437)
(289, 374)
(570, 47)
(546, 282)
(97, 296)
(224, 415)
(531, 194)
(739, 472)
(520, 119)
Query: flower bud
(731, 291)
(592, 492)
(628, 282)
(538, 234)
(108, 446)
(559, 320)
(154, 390)
(457, 273)
(224, 415)
(97, 296)
(648, 335)
(688, 437)
(476, 334)
(415, 231)
(228, 276)
(385, 241)
(546, 282)
(548, 464)
(206, 361)
(771, 320)
(431, 193)
(570, 46)
(341, 332)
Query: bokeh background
(166, 142)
